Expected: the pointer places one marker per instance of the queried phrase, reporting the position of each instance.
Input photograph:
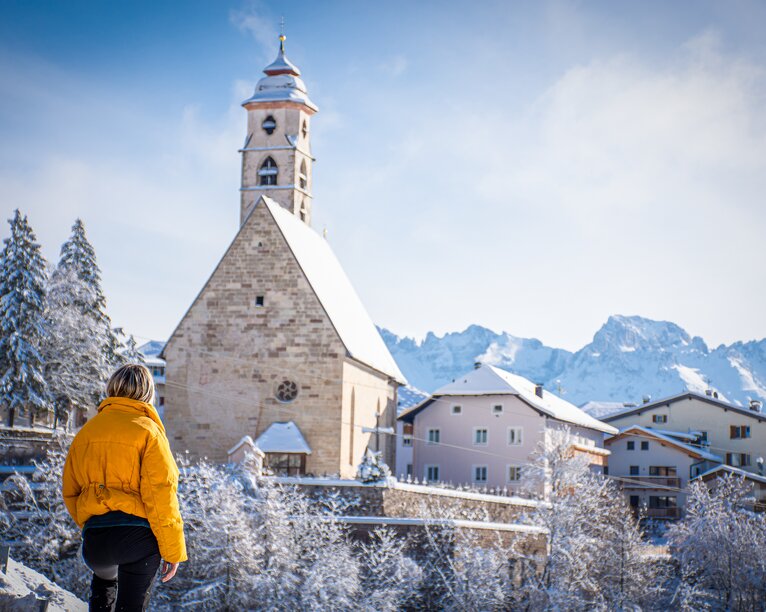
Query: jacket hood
(133, 405)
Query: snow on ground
(22, 588)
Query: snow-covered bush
(597, 558)
(720, 548)
(42, 534)
(372, 468)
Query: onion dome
(282, 83)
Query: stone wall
(21, 446)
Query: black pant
(124, 561)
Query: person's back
(119, 485)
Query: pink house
(482, 429)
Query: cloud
(256, 20)
(395, 66)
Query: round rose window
(287, 391)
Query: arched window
(302, 176)
(304, 212)
(267, 175)
(269, 125)
(305, 129)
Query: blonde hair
(133, 381)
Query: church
(277, 344)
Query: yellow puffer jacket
(121, 460)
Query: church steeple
(276, 157)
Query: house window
(480, 436)
(432, 473)
(737, 432)
(406, 440)
(162, 401)
(514, 473)
(644, 445)
(634, 501)
(269, 125)
(662, 501)
(259, 300)
(497, 409)
(286, 464)
(433, 437)
(480, 473)
(267, 174)
(738, 459)
(703, 437)
(660, 418)
(662, 470)
(457, 410)
(514, 436)
(631, 445)
(634, 470)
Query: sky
(532, 167)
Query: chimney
(539, 389)
(715, 394)
(646, 399)
(755, 405)
(476, 365)
(709, 392)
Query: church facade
(277, 344)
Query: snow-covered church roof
(282, 83)
(490, 380)
(335, 292)
(282, 438)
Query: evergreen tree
(22, 294)
(131, 353)
(79, 258)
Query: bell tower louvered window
(267, 175)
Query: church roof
(335, 292)
(282, 83)
(282, 438)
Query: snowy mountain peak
(631, 333)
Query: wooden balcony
(650, 482)
(663, 513)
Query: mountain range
(629, 359)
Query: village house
(756, 482)
(408, 397)
(653, 468)
(483, 428)
(277, 335)
(736, 434)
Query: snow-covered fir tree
(372, 468)
(78, 257)
(22, 295)
(130, 353)
(720, 548)
(73, 349)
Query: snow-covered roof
(491, 380)
(686, 395)
(335, 292)
(152, 348)
(719, 469)
(690, 449)
(282, 438)
(409, 396)
(282, 83)
(244, 440)
(598, 409)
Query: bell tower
(276, 156)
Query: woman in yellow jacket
(119, 485)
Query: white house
(408, 397)
(482, 429)
(654, 466)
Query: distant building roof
(598, 409)
(491, 380)
(648, 432)
(719, 470)
(282, 438)
(152, 348)
(408, 397)
(687, 395)
(335, 292)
